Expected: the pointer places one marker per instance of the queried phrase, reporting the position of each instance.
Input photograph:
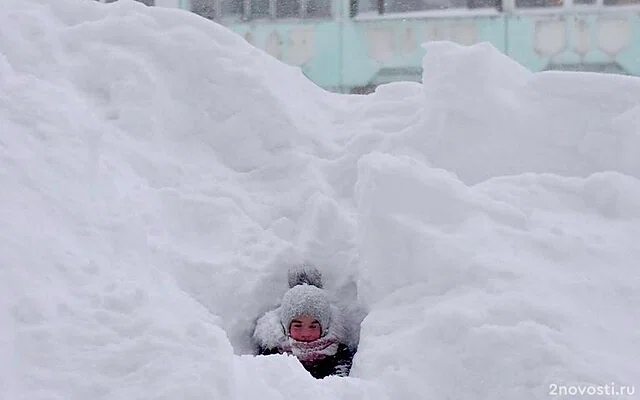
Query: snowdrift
(160, 176)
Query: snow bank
(498, 254)
(160, 176)
(583, 122)
(499, 290)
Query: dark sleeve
(343, 361)
(264, 351)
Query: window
(145, 2)
(484, 4)
(538, 3)
(362, 6)
(260, 9)
(404, 6)
(620, 2)
(287, 8)
(318, 9)
(232, 8)
(204, 8)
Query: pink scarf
(310, 352)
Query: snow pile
(160, 176)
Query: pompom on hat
(305, 274)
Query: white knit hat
(305, 300)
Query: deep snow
(159, 177)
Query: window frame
(245, 14)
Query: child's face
(305, 329)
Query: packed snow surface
(159, 176)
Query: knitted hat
(305, 300)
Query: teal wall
(377, 51)
(344, 54)
(309, 45)
(607, 41)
